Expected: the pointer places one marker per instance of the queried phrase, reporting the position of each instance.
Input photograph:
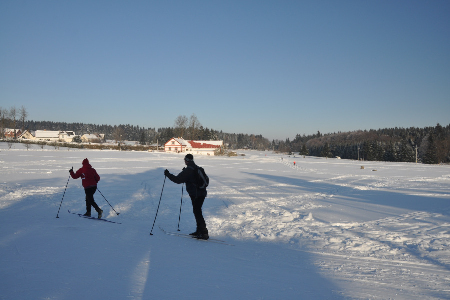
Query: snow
(322, 229)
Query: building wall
(173, 146)
(193, 147)
(197, 151)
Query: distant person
(89, 180)
(189, 176)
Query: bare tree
(13, 116)
(119, 135)
(23, 115)
(27, 144)
(194, 127)
(3, 115)
(180, 126)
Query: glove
(166, 172)
(71, 170)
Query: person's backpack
(201, 178)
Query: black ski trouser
(90, 191)
(197, 204)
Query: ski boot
(202, 234)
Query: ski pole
(107, 201)
(179, 217)
(57, 215)
(158, 205)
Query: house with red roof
(180, 145)
(11, 133)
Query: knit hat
(85, 161)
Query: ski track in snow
(406, 250)
(414, 247)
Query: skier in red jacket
(89, 179)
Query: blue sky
(276, 68)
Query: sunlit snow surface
(319, 229)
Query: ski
(93, 218)
(184, 235)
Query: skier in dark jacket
(197, 195)
(89, 180)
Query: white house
(49, 135)
(91, 138)
(27, 135)
(66, 136)
(176, 145)
(194, 147)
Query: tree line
(188, 128)
(427, 145)
(154, 135)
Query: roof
(90, 136)
(205, 144)
(181, 141)
(26, 132)
(46, 134)
(197, 144)
(7, 130)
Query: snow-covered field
(322, 229)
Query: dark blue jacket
(189, 176)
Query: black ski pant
(90, 191)
(197, 204)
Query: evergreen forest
(430, 145)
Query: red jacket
(89, 176)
